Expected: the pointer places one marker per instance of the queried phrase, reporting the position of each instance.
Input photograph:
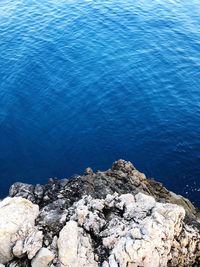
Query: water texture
(83, 83)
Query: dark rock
(58, 195)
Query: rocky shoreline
(115, 218)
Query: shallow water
(83, 83)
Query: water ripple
(87, 82)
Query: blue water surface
(86, 82)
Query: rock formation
(116, 218)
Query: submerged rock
(115, 218)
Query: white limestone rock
(28, 241)
(86, 218)
(115, 220)
(43, 258)
(16, 214)
(148, 242)
(133, 230)
(118, 231)
(74, 247)
(67, 245)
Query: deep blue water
(83, 83)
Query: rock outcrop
(43, 258)
(17, 229)
(116, 218)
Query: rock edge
(115, 218)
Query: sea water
(86, 82)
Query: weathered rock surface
(75, 247)
(133, 231)
(116, 218)
(43, 258)
(18, 234)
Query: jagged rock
(22, 190)
(16, 214)
(51, 214)
(124, 166)
(88, 171)
(29, 241)
(115, 218)
(139, 231)
(74, 247)
(24, 262)
(43, 258)
(123, 178)
(68, 245)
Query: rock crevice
(115, 218)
